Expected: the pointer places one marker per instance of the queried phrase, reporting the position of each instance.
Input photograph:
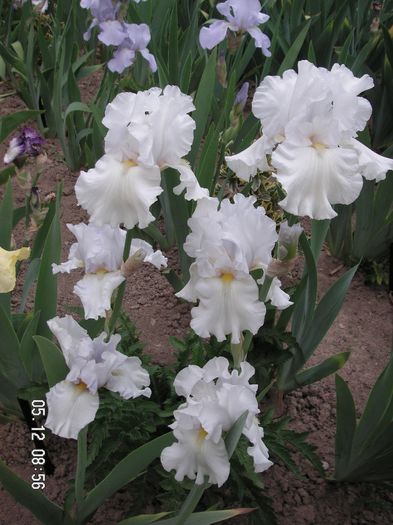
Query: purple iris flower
(241, 16)
(102, 11)
(28, 142)
(129, 38)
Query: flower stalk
(122, 287)
(81, 472)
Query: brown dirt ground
(364, 327)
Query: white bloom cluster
(93, 364)
(215, 400)
(148, 132)
(310, 121)
(228, 243)
(99, 251)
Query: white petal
(372, 165)
(69, 334)
(188, 182)
(113, 192)
(227, 308)
(216, 368)
(95, 292)
(186, 379)
(278, 297)
(204, 225)
(246, 163)
(129, 380)
(96, 361)
(189, 293)
(258, 451)
(278, 100)
(154, 257)
(245, 401)
(315, 179)
(195, 457)
(351, 111)
(247, 371)
(14, 150)
(70, 408)
(74, 261)
(250, 228)
(99, 247)
(154, 128)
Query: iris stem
(263, 293)
(81, 471)
(120, 291)
(191, 502)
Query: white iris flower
(147, 132)
(228, 244)
(207, 414)
(310, 121)
(99, 251)
(93, 364)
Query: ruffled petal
(246, 163)
(372, 166)
(258, 451)
(186, 379)
(129, 380)
(216, 368)
(70, 408)
(195, 457)
(244, 223)
(227, 307)
(278, 297)
(154, 257)
(99, 247)
(314, 179)
(95, 292)
(188, 182)
(204, 225)
(116, 192)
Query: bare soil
(363, 327)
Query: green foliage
(364, 448)
(311, 322)
(45, 510)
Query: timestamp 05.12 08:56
(38, 455)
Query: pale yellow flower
(8, 261)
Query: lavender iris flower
(241, 16)
(128, 38)
(28, 142)
(102, 11)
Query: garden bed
(363, 327)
